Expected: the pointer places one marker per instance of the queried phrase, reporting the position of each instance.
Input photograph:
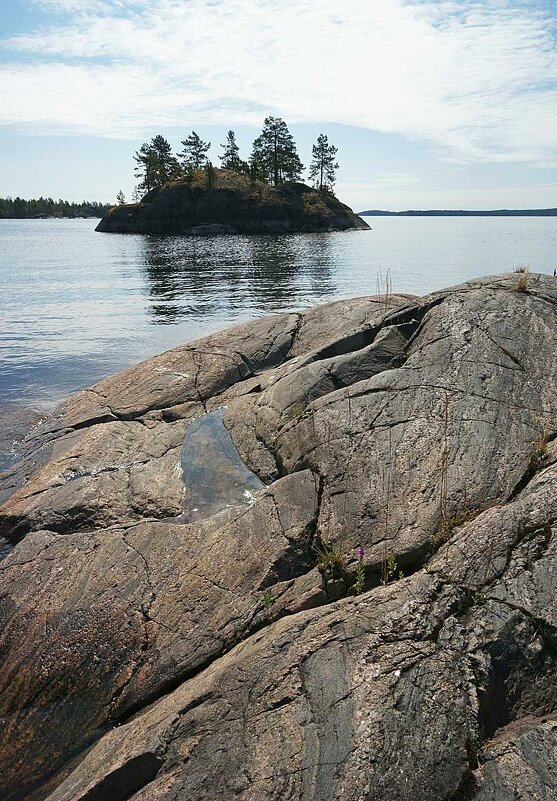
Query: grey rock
(520, 763)
(94, 625)
(150, 651)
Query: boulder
(310, 557)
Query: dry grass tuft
(523, 278)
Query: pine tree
(323, 167)
(167, 163)
(146, 169)
(156, 163)
(274, 153)
(120, 198)
(230, 159)
(256, 170)
(194, 154)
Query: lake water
(76, 306)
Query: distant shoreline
(56, 217)
(461, 213)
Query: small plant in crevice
(449, 522)
(359, 573)
(329, 558)
(297, 412)
(331, 563)
(537, 457)
(384, 285)
(268, 601)
(389, 568)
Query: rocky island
(310, 557)
(219, 201)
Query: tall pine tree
(274, 153)
(167, 163)
(155, 163)
(194, 154)
(323, 167)
(230, 159)
(146, 169)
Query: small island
(186, 194)
(226, 202)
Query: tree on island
(322, 170)
(120, 198)
(274, 159)
(209, 174)
(274, 153)
(230, 159)
(167, 163)
(156, 163)
(194, 154)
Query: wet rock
(152, 652)
(213, 473)
(17, 422)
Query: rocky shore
(225, 202)
(309, 557)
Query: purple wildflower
(360, 553)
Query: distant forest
(461, 213)
(20, 209)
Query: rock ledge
(180, 613)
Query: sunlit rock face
(183, 543)
(230, 203)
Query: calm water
(76, 306)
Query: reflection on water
(202, 277)
(76, 305)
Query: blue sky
(432, 103)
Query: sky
(431, 103)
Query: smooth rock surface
(225, 655)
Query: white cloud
(385, 180)
(472, 77)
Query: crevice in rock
(407, 321)
(468, 786)
(285, 355)
(5, 547)
(275, 454)
(126, 780)
(254, 626)
(536, 464)
(515, 686)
